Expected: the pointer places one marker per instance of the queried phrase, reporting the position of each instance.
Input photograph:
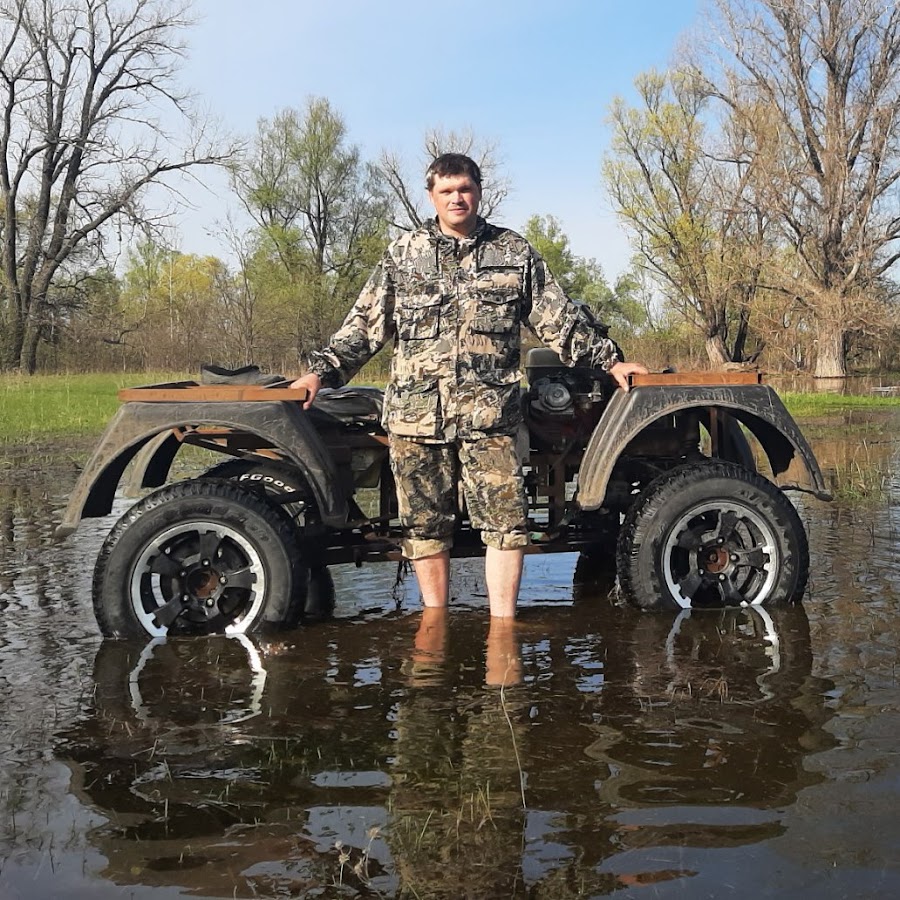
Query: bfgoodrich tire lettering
(199, 557)
(270, 478)
(712, 534)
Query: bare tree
(827, 74)
(87, 89)
(406, 188)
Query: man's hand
(621, 370)
(312, 383)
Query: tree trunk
(28, 362)
(13, 342)
(716, 350)
(831, 355)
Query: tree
(583, 279)
(403, 189)
(318, 208)
(258, 306)
(827, 74)
(87, 86)
(88, 332)
(171, 294)
(688, 204)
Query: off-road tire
(711, 534)
(270, 478)
(230, 551)
(274, 480)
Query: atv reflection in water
(377, 757)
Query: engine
(562, 403)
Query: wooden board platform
(190, 391)
(697, 378)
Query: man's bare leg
(503, 575)
(433, 575)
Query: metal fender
(146, 430)
(756, 406)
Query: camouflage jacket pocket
(497, 406)
(497, 293)
(412, 407)
(419, 317)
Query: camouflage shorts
(428, 477)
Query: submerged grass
(803, 406)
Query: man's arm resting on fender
(621, 370)
(312, 382)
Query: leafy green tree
(685, 197)
(318, 210)
(171, 311)
(582, 278)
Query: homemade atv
(681, 481)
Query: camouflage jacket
(454, 309)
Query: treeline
(760, 185)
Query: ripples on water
(586, 751)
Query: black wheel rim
(195, 577)
(720, 554)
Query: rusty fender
(756, 406)
(148, 431)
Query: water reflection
(435, 755)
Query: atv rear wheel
(709, 535)
(199, 557)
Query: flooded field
(585, 751)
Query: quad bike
(681, 481)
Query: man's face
(455, 199)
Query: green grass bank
(36, 409)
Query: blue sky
(537, 78)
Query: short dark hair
(452, 164)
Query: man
(453, 295)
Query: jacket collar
(438, 236)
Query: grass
(39, 408)
(807, 406)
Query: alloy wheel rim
(720, 551)
(208, 573)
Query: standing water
(584, 751)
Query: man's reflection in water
(503, 659)
(430, 647)
(457, 813)
(631, 749)
(503, 652)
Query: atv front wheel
(199, 557)
(277, 481)
(712, 534)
